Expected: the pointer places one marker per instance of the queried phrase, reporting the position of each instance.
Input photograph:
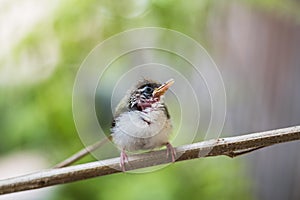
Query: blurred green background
(44, 42)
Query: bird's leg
(123, 158)
(171, 150)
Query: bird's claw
(123, 159)
(171, 150)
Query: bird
(141, 122)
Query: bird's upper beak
(163, 88)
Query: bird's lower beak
(163, 88)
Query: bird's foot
(123, 159)
(171, 150)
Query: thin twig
(232, 146)
(80, 154)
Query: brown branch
(232, 146)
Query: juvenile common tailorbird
(141, 122)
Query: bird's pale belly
(138, 130)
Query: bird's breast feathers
(141, 130)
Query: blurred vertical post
(259, 54)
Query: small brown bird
(141, 122)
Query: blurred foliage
(39, 115)
(212, 178)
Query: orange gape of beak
(163, 88)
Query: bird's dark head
(148, 92)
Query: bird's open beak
(163, 88)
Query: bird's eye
(148, 89)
